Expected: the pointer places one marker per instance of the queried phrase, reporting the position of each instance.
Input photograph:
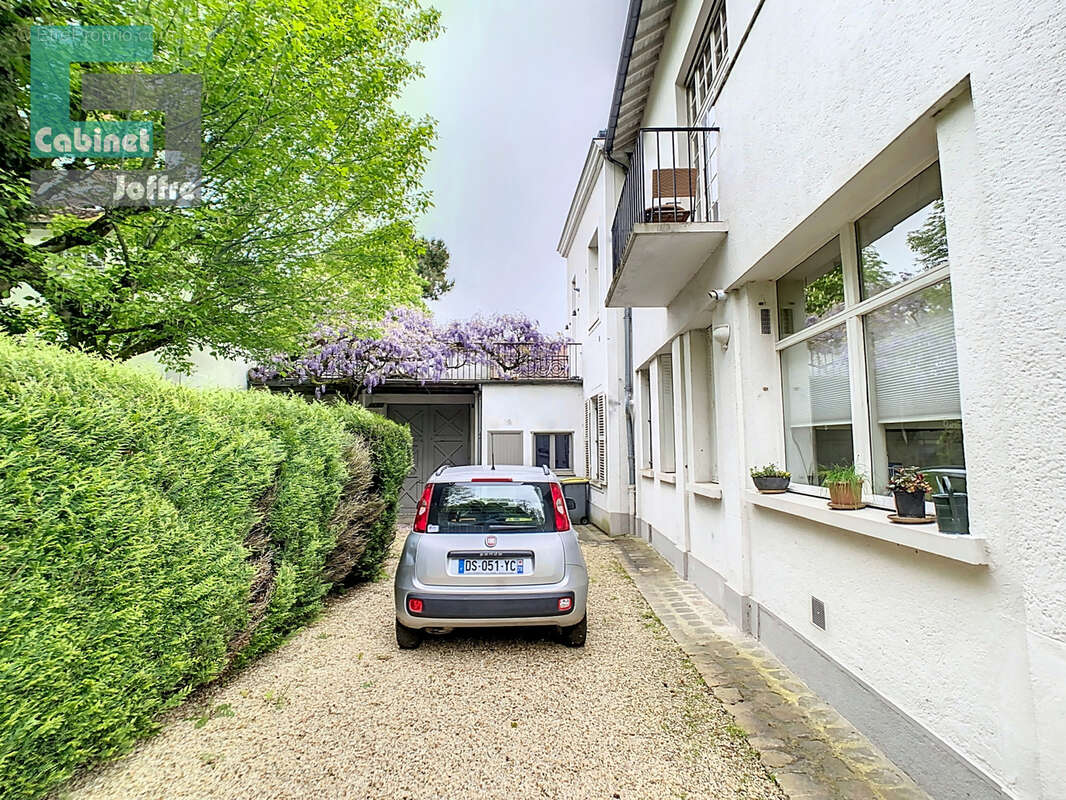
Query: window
(904, 236)
(708, 64)
(553, 450)
(594, 299)
(666, 413)
(913, 384)
(703, 459)
(868, 337)
(817, 402)
(596, 439)
(812, 291)
(644, 379)
(482, 507)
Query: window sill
(712, 491)
(647, 473)
(666, 477)
(874, 523)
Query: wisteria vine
(412, 346)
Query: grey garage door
(440, 433)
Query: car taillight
(562, 519)
(414, 605)
(566, 603)
(422, 514)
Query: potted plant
(770, 479)
(845, 486)
(909, 486)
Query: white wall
(600, 331)
(534, 408)
(829, 107)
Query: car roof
(514, 472)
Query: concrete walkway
(812, 751)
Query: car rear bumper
(495, 606)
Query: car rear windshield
(499, 507)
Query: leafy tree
(433, 268)
(412, 345)
(311, 182)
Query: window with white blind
(644, 380)
(667, 458)
(596, 439)
(868, 364)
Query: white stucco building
(839, 229)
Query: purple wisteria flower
(412, 346)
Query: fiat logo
(490, 541)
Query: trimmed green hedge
(153, 536)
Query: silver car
(491, 546)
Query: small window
(903, 236)
(594, 299)
(553, 450)
(812, 291)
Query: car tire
(407, 638)
(574, 635)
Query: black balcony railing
(673, 177)
(510, 361)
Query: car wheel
(407, 638)
(574, 635)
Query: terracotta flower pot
(846, 495)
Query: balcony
(498, 362)
(667, 222)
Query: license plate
(492, 566)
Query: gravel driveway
(341, 712)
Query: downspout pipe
(631, 453)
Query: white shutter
(601, 438)
(667, 457)
(588, 443)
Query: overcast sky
(519, 88)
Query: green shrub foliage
(153, 536)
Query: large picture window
(867, 333)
